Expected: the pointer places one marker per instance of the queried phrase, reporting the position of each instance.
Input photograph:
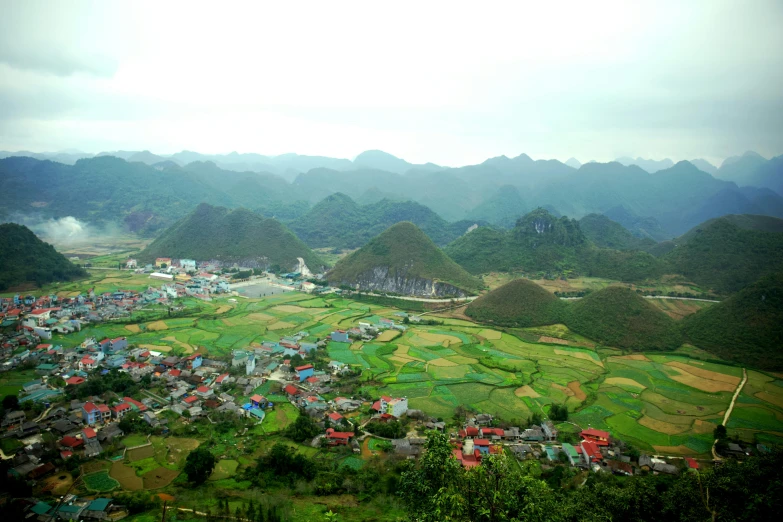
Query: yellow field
(357, 345)
(492, 335)
(674, 450)
(632, 357)
(706, 374)
(401, 350)
(579, 355)
(662, 426)
(576, 390)
(133, 328)
(455, 372)
(526, 391)
(156, 347)
(700, 426)
(442, 362)
(228, 322)
(552, 340)
(700, 383)
(445, 340)
(388, 335)
(223, 309)
(261, 317)
(281, 325)
(157, 326)
(771, 398)
(289, 309)
(623, 381)
(188, 348)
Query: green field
(100, 482)
(666, 402)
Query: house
(571, 453)
(75, 380)
(223, 379)
(162, 262)
(550, 433)
(188, 265)
(98, 509)
(91, 415)
(340, 336)
(258, 401)
(337, 366)
(468, 455)
(104, 413)
(343, 404)
(131, 263)
(482, 445)
(120, 343)
(691, 462)
(134, 404)
(120, 410)
(69, 443)
(193, 361)
(89, 434)
(92, 448)
(599, 437)
(591, 452)
(397, 407)
(150, 418)
(204, 391)
(87, 363)
(618, 467)
(304, 371)
(335, 417)
(250, 364)
(338, 437)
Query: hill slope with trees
(619, 317)
(747, 327)
(519, 303)
(232, 236)
(26, 260)
(403, 260)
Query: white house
(188, 265)
(397, 407)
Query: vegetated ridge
(519, 303)
(605, 233)
(619, 317)
(747, 327)
(237, 235)
(338, 221)
(25, 259)
(729, 253)
(403, 260)
(542, 243)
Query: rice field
(652, 400)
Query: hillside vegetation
(605, 233)
(519, 303)
(232, 235)
(26, 260)
(617, 316)
(729, 253)
(747, 327)
(541, 242)
(339, 222)
(402, 252)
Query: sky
(449, 82)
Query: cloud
(57, 62)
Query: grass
(100, 482)
(224, 469)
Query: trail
(658, 297)
(730, 409)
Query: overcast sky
(433, 81)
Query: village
(78, 409)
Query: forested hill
(729, 253)
(232, 235)
(338, 221)
(541, 242)
(26, 260)
(747, 327)
(403, 260)
(605, 233)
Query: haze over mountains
(145, 192)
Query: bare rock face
(380, 279)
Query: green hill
(617, 316)
(232, 236)
(403, 260)
(26, 260)
(338, 221)
(746, 328)
(519, 303)
(544, 244)
(605, 233)
(729, 253)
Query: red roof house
(89, 433)
(191, 399)
(335, 417)
(338, 437)
(75, 380)
(71, 442)
(692, 464)
(600, 437)
(290, 389)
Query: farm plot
(126, 476)
(100, 482)
(140, 453)
(159, 477)
(224, 469)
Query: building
(161, 276)
(120, 410)
(397, 407)
(338, 437)
(340, 336)
(304, 371)
(91, 415)
(163, 262)
(599, 437)
(571, 453)
(188, 265)
(131, 263)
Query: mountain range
(144, 198)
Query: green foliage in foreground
(407, 253)
(617, 316)
(25, 259)
(199, 465)
(231, 235)
(438, 488)
(746, 327)
(519, 303)
(302, 429)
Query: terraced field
(668, 403)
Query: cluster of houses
(74, 508)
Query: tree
(719, 432)
(302, 429)
(199, 465)
(558, 412)
(10, 402)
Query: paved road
(730, 409)
(658, 297)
